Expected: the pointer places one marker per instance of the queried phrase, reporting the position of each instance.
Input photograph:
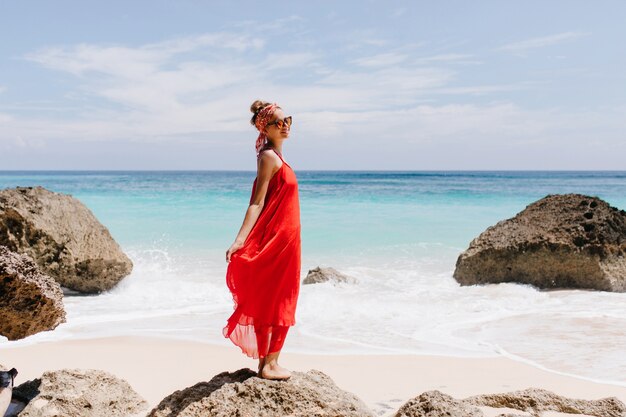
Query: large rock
(30, 302)
(536, 401)
(317, 275)
(524, 403)
(241, 393)
(437, 404)
(560, 241)
(80, 393)
(63, 237)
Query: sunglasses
(279, 123)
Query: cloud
(275, 61)
(362, 39)
(2, 89)
(5, 118)
(395, 78)
(279, 25)
(541, 42)
(483, 89)
(21, 144)
(450, 58)
(504, 125)
(381, 60)
(180, 85)
(199, 88)
(124, 61)
(424, 122)
(199, 85)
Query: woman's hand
(233, 248)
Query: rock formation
(241, 393)
(536, 401)
(560, 241)
(317, 275)
(437, 404)
(30, 302)
(80, 393)
(529, 402)
(63, 237)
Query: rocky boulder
(317, 275)
(560, 241)
(241, 393)
(30, 302)
(531, 402)
(537, 401)
(437, 404)
(63, 237)
(80, 393)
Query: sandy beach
(155, 367)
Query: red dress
(264, 275)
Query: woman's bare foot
(272, 370)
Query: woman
(263, 271)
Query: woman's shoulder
(269, 156)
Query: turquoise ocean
(398, 233)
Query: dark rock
(63, 237)
(30, 302)
(560, 241)
(317, 275)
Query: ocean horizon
(398, 233)
(422, 171)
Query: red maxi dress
(264, 275)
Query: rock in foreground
(560, 241)
(80, 393)
(30, 302)
(317, 275)
(63, 237)
(437, 404)
(241, 393)
(536, 401)
(528, 402)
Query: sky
(371, 85)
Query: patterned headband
(261, 121)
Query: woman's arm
(268, 165)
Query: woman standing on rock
(263, 273)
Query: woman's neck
(278, 148)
